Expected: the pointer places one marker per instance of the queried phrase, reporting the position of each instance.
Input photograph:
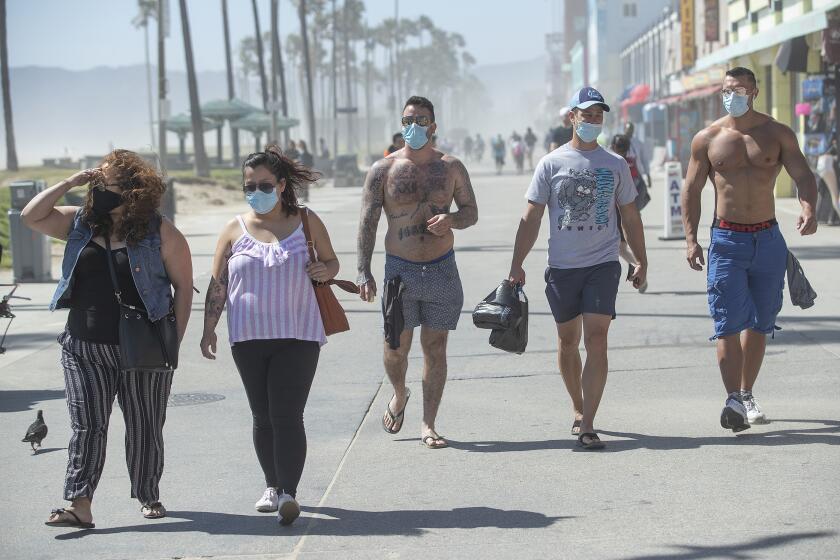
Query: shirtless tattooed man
(742, 154)
(415, 186)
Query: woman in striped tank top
(261, 270)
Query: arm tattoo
(373, 199)
(467, 213)
(214, 303)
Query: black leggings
(277, 375)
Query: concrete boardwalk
(671, 483)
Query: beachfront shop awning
(815, 20)
(224, 109)
(182, 124)
(261, 122)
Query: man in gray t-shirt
(581, 189)
(585, 188)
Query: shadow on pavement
(341, 522)
(18, 401)
(829, 435)
(745, 550)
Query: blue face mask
(736, 105)
(587, 132)
(261, 202)
(415, 136)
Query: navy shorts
(592, 289)
(745, 279)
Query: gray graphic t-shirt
(581, 190)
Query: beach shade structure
(182, 125)
(221, 110)
(258, 123)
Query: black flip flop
(576, 428)
(590, 441)
(68, 523)
(396, 417)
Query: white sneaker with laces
(734, 414)
(754, 414)
(287, 510)
(268, 502)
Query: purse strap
(345, 285)
(109, 257)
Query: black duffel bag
(499, 310)
(515, 338)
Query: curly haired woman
(152, 260)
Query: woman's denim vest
(145, 260)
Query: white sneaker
(754, 414)
(268, 502)
(734, 414)
(288, 509)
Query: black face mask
(105, 201)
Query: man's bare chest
(732, 150)
(413, 184)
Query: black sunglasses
(421, 120)
(266, 187)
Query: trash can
(30, 250)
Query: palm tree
(11, 153)
(310, 106)
(234, 133)
(277, 68)
(148, 11)
(260, 57)
(202, 166)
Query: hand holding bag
(499, 310)
(144, 345)
(332, 314)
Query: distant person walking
(397, 143)
(262, 272)
(308, 162)
(468, 148)
(479, 148)
(562, 134)
(322, 148)
(619, 145)
(292, 151)
(517, 150)
(530, 143)
(498, 147)
(118, 221)
(638, 161)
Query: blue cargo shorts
(745, 279)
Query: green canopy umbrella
(221, 110)
(182, 125)
(257, 123)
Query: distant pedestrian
(498, 147)
(518, 152)
(638, 160)
(292, 151)
(397, 143)
(620, 145)
(530, 143)
(479, 148)
(150, 257)
(468, 148)
(562, 134)
(322, 148)
(308, 162)
(262, 272)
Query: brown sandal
(430, 441)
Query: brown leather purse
(332, 314)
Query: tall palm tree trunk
(260, 57)
(277, 54)
(348, 102)
(162, 28)
(11, 152)
(310, 105)
(234, 133)
(202, 166)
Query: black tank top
(94, 313)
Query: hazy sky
(82, 34)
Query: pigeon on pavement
(36, 432)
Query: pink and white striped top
(269, 293)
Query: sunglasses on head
(267, 188)
(421, 120)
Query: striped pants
(92, 379)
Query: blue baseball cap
(587, 97)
